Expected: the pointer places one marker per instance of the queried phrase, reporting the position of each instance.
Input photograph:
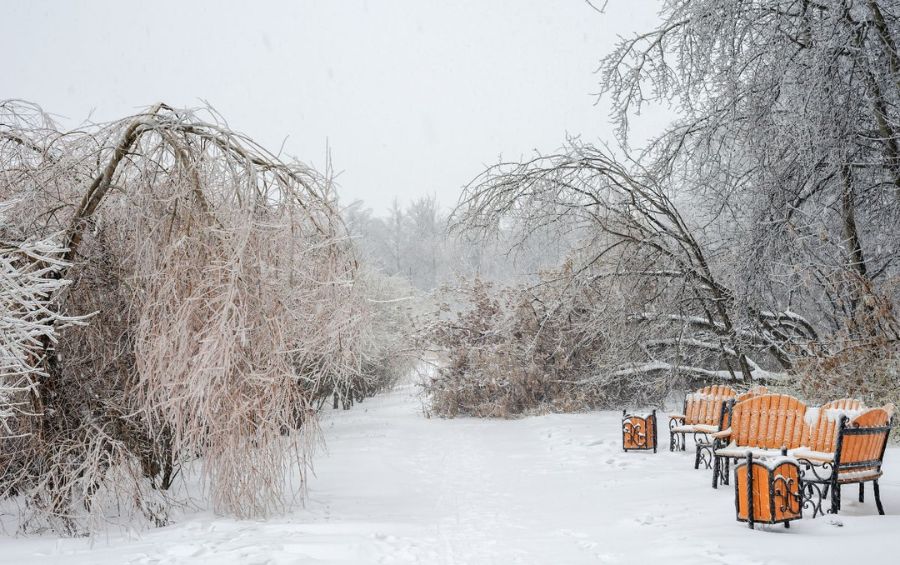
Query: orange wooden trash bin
(767, 491)
(639, 431)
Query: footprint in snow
(145, 560)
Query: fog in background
(413, 98)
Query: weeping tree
(757, 236)
(218, 303)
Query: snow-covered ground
(396, 487)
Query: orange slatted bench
(704, 446)
(857, 456)
(704, 412)
(762, 425)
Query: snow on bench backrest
(770, 421)
(705, 405)
(755, 391)
(822, 422)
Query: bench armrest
(723, 434)
(681, 417)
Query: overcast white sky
(414, 97)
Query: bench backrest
(747, 395)
(755, 391)
(705, 405)
(862, 440)
(822, 422)
(769, 421)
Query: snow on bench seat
(694, 428)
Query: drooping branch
(102, 182)
(227, 308)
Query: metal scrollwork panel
(815, 480)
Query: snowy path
(396, 487)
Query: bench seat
(813, 456)
(845, 477)
(695, 428)
(737, 451)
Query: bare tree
(759, 231)
(643, 242)
(789, 128)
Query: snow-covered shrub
(515, 350)
(223, 286)
(860, 362)
(29, 322)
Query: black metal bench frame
(822, 478)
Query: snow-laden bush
(28, 325)
(510, 351)
(862, 363)
(226, 308)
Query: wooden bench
(704, 413)
(704, 446)
(762, 425)
(805, 432)
(839, 443)
(858, 454)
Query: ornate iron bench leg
(877, 496)
(835, 498)
(862, 492)
(715, 477)
(676, 439)
(704, 454)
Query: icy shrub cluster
(514, 350)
